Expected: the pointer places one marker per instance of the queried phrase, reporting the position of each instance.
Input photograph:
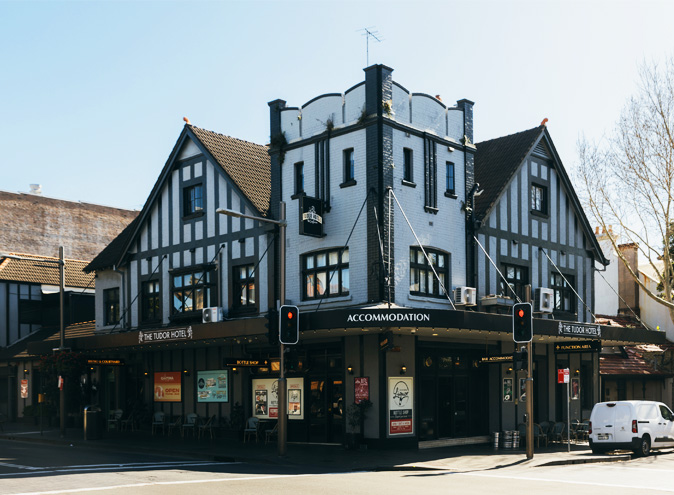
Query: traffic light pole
(529, 389)
(282, 391)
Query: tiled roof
(109, 256)
(627, 321)
(33, 270)
(248, 164)
(495, 163)
(631, 363)
(32, 223)
(75, 331)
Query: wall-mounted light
(146, 373)
(510, 370)
(186, 373)
(26, 372)
(235, 370)
(515, 242)
(350, 370)
(577, 372)
(403, 370)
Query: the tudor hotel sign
(311, 216)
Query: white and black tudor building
(397, 228)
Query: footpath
(310, 456)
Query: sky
(93, 93)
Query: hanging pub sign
(311, 216)
(582, 346)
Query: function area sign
(579, 346)
(311, 216)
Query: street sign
(563, 375)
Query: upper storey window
(423, 281)
(325, 274)
(539, 199)
(193, 199)
(408, 171)
(349, 167)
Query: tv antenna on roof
(368, 32)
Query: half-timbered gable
(180, 256)
(530, 223)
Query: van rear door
(603, 421)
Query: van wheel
(644, 447)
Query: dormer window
(193, 199)
(539, 199)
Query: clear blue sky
(93, 92)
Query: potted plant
(355, 417)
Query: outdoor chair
(158, 420)
(539, 435)
(128, 421)
(545, 429)
(207, 426)
(176, 424)
(251, 428)
(559, 432)
(271, 433)
(114, 419)
(190, 424)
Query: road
(30, 468)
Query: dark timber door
(453, 401)
(326, 410)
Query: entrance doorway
(453, 399)
(326, 410)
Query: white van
(637, 425)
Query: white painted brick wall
(290, 123)
(354, 103)
(429, 115)
(316, 114)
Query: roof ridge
(226, 136)
(14, 253)
(510, 135)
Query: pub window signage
(311, 216)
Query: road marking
(185, 482)
(112, 467)
(570, 482)
(18, 466)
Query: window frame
(421, 280)
(450, 191)
(312, 271)
(111, 306)
(241, 285)
(518, 284)
(150, 301)
(539, 202)
(561, 291)
(408, 166)
(298, 179)
(193, 205)
(349, 165)
(207, 283)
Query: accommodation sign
(584, 346)
(506, 358)
(579, 330)
(311, 216)
(162, 335)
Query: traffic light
(520, 359)
(290, 325)
(272, 326)
(522, 325)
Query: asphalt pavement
(227, 447)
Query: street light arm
(236, 214)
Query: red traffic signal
(522, 323)
(289, 325)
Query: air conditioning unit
(466, 296)
(210, 315)
(543, 300)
